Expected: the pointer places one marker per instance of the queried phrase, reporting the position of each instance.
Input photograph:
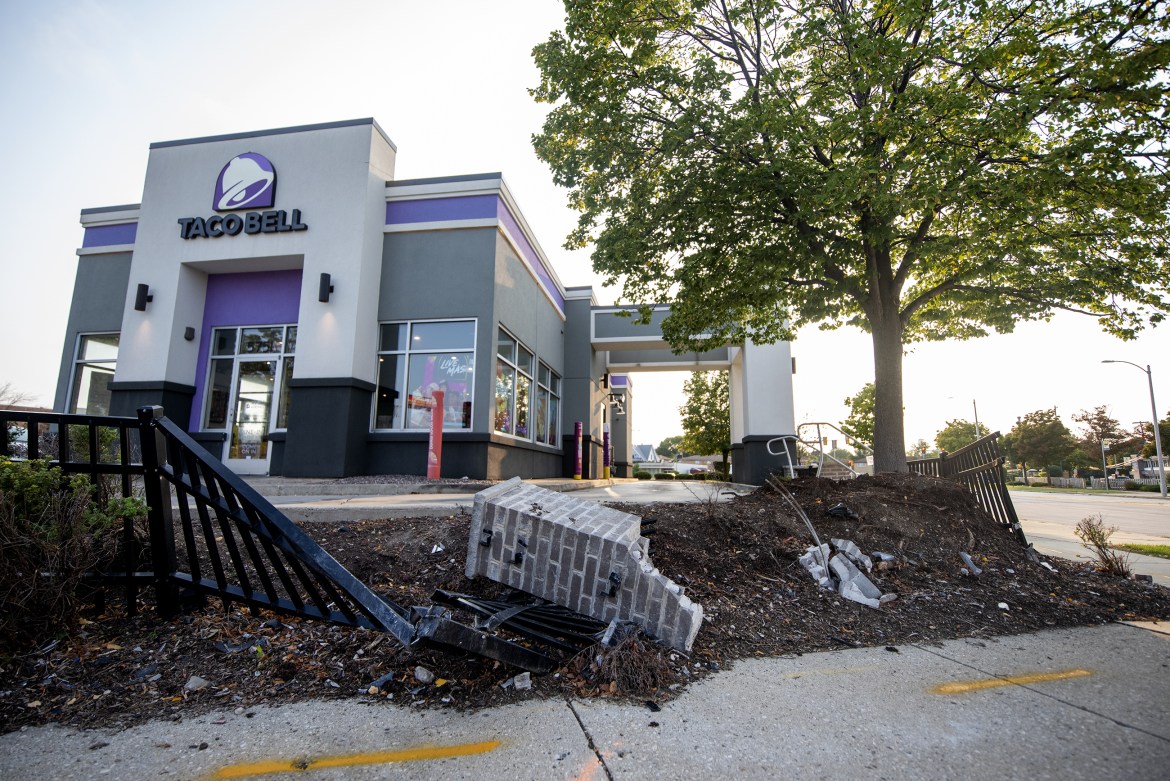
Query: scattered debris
(841, 510)
(579, 554)
(423, 675)
(195, 683)
(741, 564)
(974, 570)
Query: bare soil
(737, 558)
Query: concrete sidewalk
(1088, 703)
(321, 500)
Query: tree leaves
(933, 170)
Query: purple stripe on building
(471, 207)
(531, 255)
(252, 298)
(110, 235)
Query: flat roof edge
(106, 209)
(488, 177)
(278, 132)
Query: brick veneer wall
(579, 554)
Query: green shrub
(664, 476)
(52, 532)
(643, 476)
(1132, 485)
(1153, 488)
(698, 475)
(683, 476)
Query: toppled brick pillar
(578, 554)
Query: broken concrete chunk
(815, 560)
(850, 549)
(195, 683)
(564, 549)
(854, 585)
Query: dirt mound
(737, 558)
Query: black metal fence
(979, 466)
(213, 535)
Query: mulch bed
(736, 558)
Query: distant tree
(1147, 433)
(706, 416)
(669, 448)
(11, 397)
(1041, 438)
(859, 424)
(956, 434)
(1099, 427)
(920, 449)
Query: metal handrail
(820, 448)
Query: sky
(87, 86)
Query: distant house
(646, 454)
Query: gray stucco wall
(441, 274)
(99, 297)
(522, 308)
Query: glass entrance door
(247, 392)
(248, 444)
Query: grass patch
(1161, 551)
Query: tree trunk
(889, 431)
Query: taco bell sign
(247, 181)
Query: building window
(417, 358)
(548, 406)
(93, 370)
(514, 363)
(528, 393)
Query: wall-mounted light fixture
(189, 334)
(325, 289)
(142, 297)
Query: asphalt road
(1050, 519)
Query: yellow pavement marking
(962, 687)
(267, 766)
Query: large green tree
(706, 415)
(1040, 438)
(957, 434)
(922, 169)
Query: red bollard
(435, 447)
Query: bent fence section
(213, 535)
(979, 466)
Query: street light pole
(1157, 431)
(1104, 467)
(976, 408)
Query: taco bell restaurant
(294, 307)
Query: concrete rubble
(578, 554)
(843, 574)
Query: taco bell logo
(248, 181)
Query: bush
(52, 532)
(1132, 485)
(1153, 488)
(684, 476)
(643, 476)
(664, 476)
(1094, 536)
